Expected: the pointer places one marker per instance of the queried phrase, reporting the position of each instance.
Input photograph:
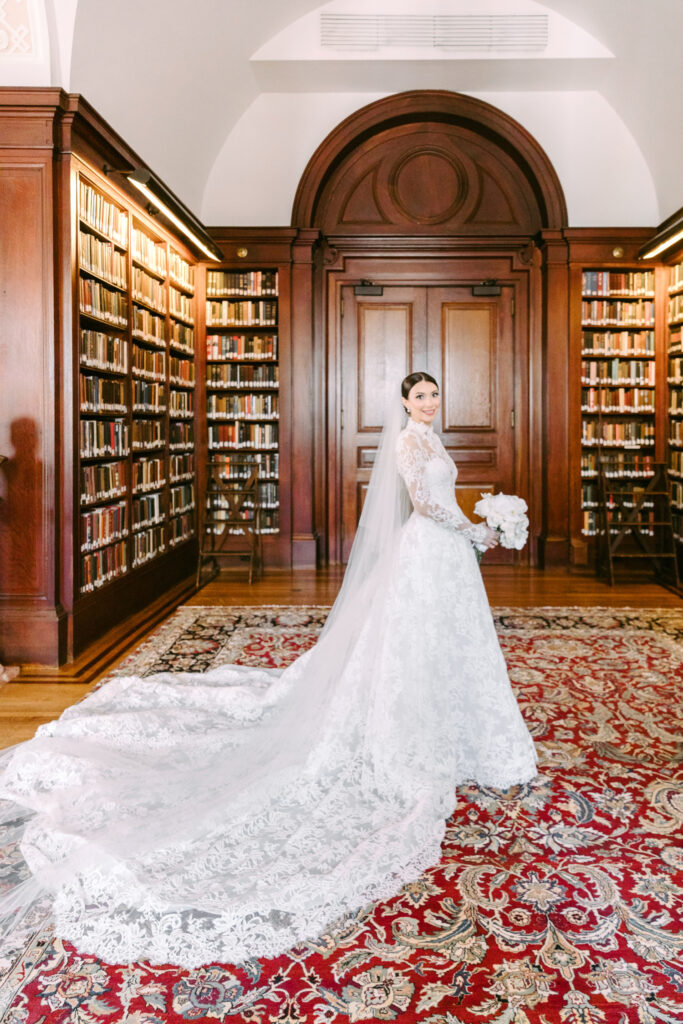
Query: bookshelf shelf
(125, 386)
(242, 377)
(618, 382)
(674, 377)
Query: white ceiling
(174, 78)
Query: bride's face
(423, 401)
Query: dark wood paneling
(468, 389)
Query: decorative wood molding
(370, 173)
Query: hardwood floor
(41, 694)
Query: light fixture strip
(666, 244)
(154, 199)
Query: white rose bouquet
(505, 513)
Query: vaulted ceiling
(178, 79)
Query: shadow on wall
(21, 496)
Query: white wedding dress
(189, 819)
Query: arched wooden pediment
(429, 163)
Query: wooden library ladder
(634, 523)
(231, 517)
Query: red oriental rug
(559, 902)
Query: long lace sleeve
(428, 494)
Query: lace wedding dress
(190, 819)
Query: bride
(197, 818)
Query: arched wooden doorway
(428, 195)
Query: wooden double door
(467, 344)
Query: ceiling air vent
(466, 32)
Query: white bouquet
(505, 513)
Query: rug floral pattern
(558, 901)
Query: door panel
(463, 341)
(383, 337)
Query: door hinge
(341, 307)
(512, 307)
(512, 419)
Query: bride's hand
(491, 538)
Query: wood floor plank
(40, 696)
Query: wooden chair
(231, 517)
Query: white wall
(605, 178)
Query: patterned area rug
(559, 901)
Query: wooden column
(306, 402)
(32, 622)
(554, 540)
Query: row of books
(101, 258)
(676, 339)
(618, 313)
(234, 467)
(148, 510)
(148, 396)
(243, 435)
(104, 351)
(182, 466)
(148, 327)
(235, 375)
(591, 524)
(148, 475)
(618, 371)
(101, 394)
(182, 404)
(618, 343)
(676, 308)
(104, 303)
(181, 528)
(618, 282)
(617, 464)
(149, 289)
(100, 567)
(240, 313)
(147, 544)
(590, 494)
(146, 250)
(104, 525)
(182, 499)
(256, 405)
(676, 401)
(677, 494)
(269, 520)
(148, 434)
(245, 282)
(676, 462)
(181, 305)
(181, 435)
(182, 371)
(182, 337)
(676, 277)
(100, 438)
(675, 370)
(102, 214)
(628, 432)
(182, 272)
(618, 400)
(240, 346)
(676, 432)
(103, 482)
(149, 364)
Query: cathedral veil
(102, 811)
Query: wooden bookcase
(618, 378)
(100, 403)
(675, 394)
(243, 378)
(136, 461)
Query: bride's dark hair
(412, 379)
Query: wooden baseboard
(100, 656)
